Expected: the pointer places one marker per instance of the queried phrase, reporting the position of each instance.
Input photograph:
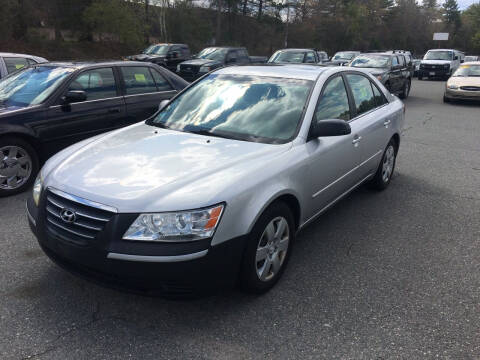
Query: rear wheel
(406, 89)
(385, 170)
(268, 249)
(18, 165)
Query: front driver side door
(103, 110)
(333, 161)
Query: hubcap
(388, 162)
(272, 248)
(15, 167)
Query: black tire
(406, 89)
(34, 165)
(420, 77)
(249, 279)
(388, 87)
(446, 99)
(379, 182)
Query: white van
(440, 63)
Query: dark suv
(47, 107)
(166, 55)
(391, 68)
(212, 58)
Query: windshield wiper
(207, 133)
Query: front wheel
(18, 165)
(385, 170)
(446, 99)
(268, 249)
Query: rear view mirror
(330, 127)
(163, 103)
(74, 96)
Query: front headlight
(178, 68)
(178, 226)
(452, 86)
(37, 188)
(205, 69)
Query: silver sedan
(214, 187)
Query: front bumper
(168, 269)
(462, 94)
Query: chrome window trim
(150, 93)
(160, 258)
(83, 201)
(88, 102)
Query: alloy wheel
(388, 163)
(272, 248)
(15, 167)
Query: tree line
(111, 28)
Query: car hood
(436, 62)
(464, 81)
(144, 168)
(200, 62)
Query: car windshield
(31, 86)
(250, 108)
(148, 49)
(371, 61)
(287, 57)
(468, 70)
(212, 53)
(344, 56)
(439, 55)
(158, 50)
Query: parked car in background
(166, 55)
(471, 58)
(416, 66)
(212, 190)
(464, 83)
(343, 57)
(322, 56)
(9, 62)
(47, 107)
(210, 59)
(408, 59)
(294, 56)
(440, 63)
(389, 68)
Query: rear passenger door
(144, 89)
(371, 120)
(103, 110)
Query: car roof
(303, 72)
(297, 49)
(88, 64)
(7, 54)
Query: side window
(242, 54)
(380, 99)
(31, 62)
(310, 57)
(14, 64)
(162, 84)
(408, 59)
(401, 60)
(232, 56)
(395, 61)
(334, 101)
(362, 93)
(138, 80)
(97, 83)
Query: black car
(295, 56)
(47, 107)
(212, 58)
(391, 69)
(166, 55)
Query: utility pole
(147, 37)
(288, 20)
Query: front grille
(433, 67)
(470, 88)
(88, 221)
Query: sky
(463, 4)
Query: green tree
(451, 13)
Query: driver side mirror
(162, 104)
(329, 127)
(455, 58)
(74, 96)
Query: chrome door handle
(356, 140)
(387, 122)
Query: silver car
(213, 188)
